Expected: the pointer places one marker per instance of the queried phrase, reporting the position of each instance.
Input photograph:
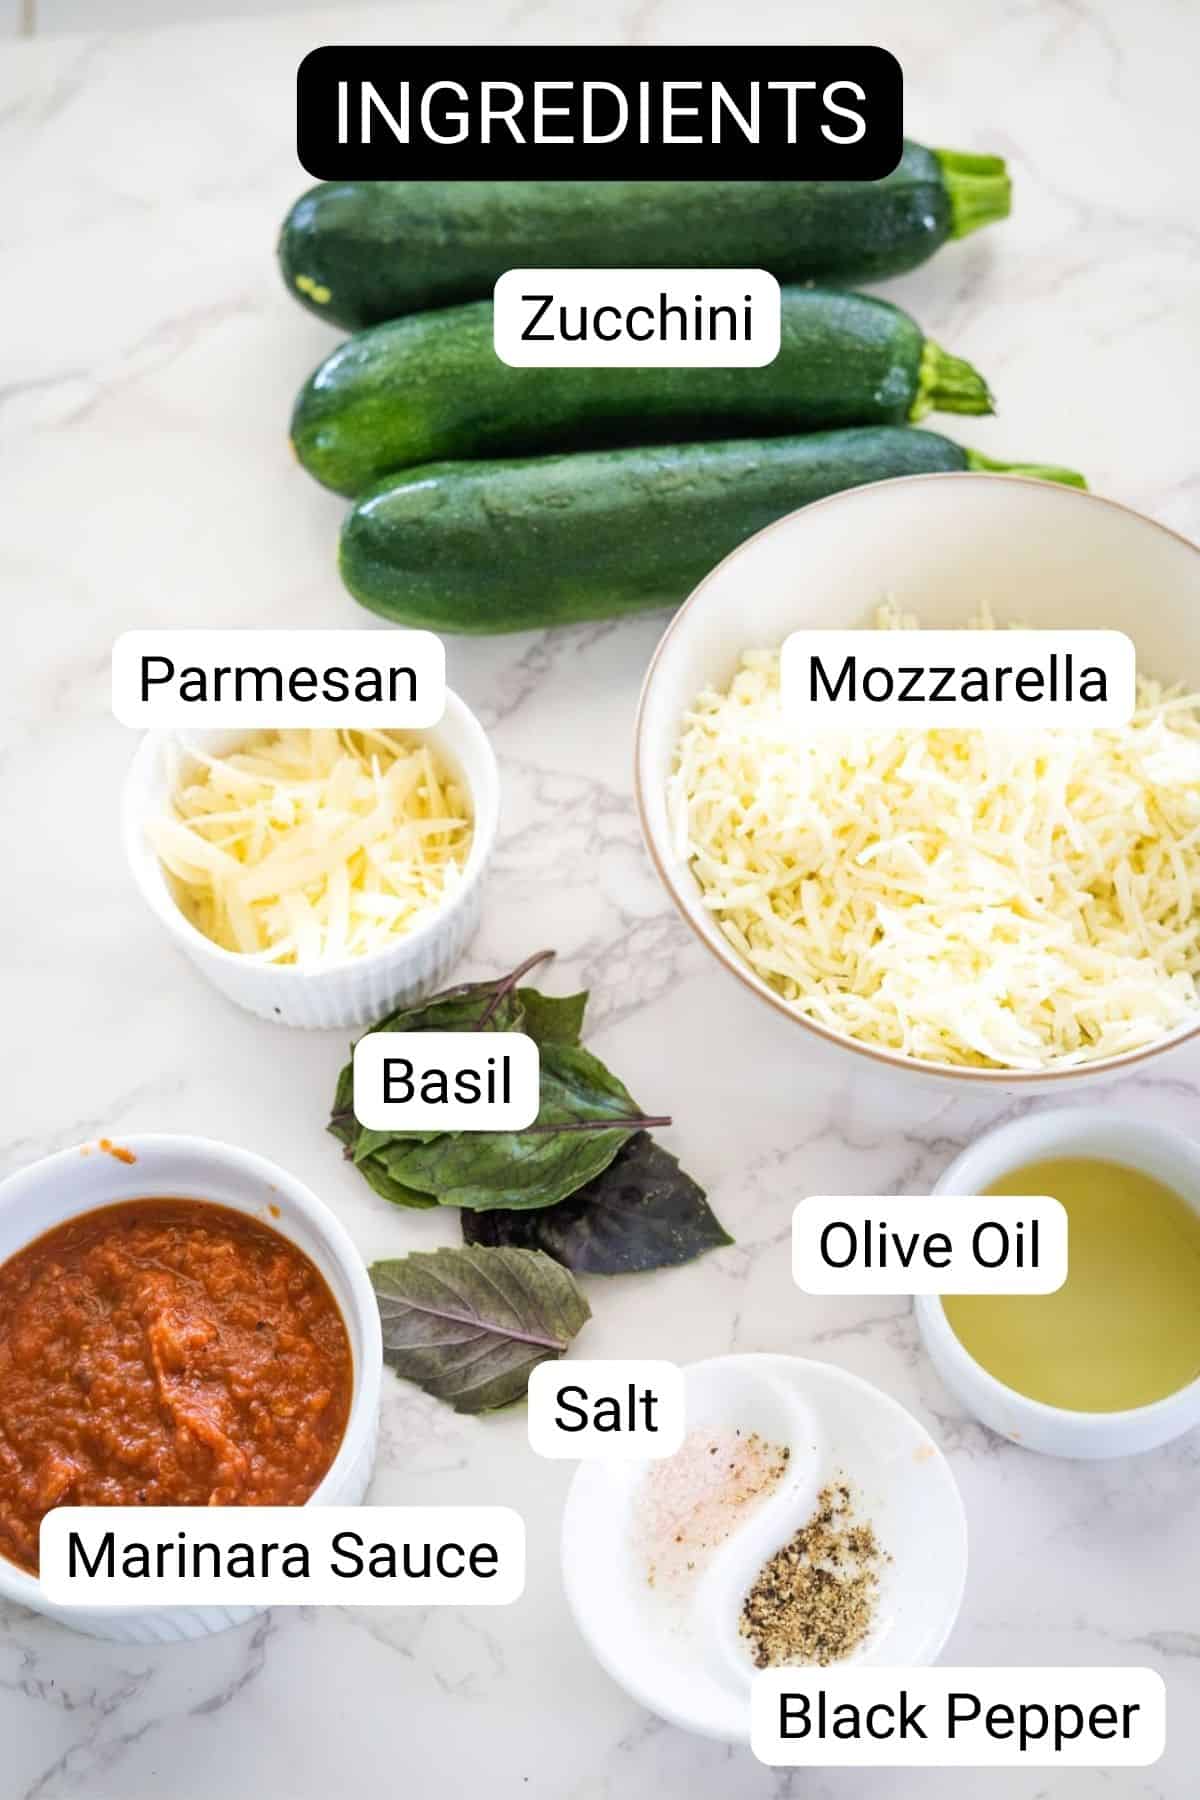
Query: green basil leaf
(391, 1156)
(496, 1005)
(551, 1019)
(366, 1143)
(641, 1212)
(469, 1325)
(585, 1116)
(481, 1006)
(342, 1121)
(471, 1006)
(548, 1020)
(376, 1175)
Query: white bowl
(939, 546)
(361, 989)
(77, 1181)
(1156, 1150)
(691, 1668)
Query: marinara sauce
(164, 1353)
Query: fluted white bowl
(361, 989)
(79, 1180)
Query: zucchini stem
(1040, 471)
(979, 189)
(947, 383)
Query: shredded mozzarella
(312, 847)
(980, 898)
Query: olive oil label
(929, 1244)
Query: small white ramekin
(361, 989)
(76, 1181)
(1170, 1157)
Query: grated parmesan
(978, 898)
(312, 847)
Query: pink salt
(690, 1503)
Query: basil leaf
(478, 1007)
(497, 1005)
(391, 1157)
(641, 1212)
(375, 1173)
(469, 1325)
(471, 1006)
(342, 1122)
(366, 1143)
(585, 1116)
(551, 1020)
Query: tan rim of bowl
(728, 957)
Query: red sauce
(164, 1353)
(117, 1150)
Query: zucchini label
(599, 112)
(637, 318)
(264, 680)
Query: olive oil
(1124, 1329)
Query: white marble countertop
(149, 359)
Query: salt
(689, 1504)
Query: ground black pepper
(814, 1601)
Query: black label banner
(765, 113)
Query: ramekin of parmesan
(317, 878)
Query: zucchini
(430, 388)
(358, 252)
(504, 546)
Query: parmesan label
(976, 898)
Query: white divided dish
(683, 1656)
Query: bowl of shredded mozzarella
(995, 905)
(317, 877)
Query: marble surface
(124, 15)
(149, 358)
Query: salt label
(615, 1410)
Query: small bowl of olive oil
(1108, 1365)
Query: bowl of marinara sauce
(182, 1323)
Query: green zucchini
(358, 252)
(430, 388)
(504, 546)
